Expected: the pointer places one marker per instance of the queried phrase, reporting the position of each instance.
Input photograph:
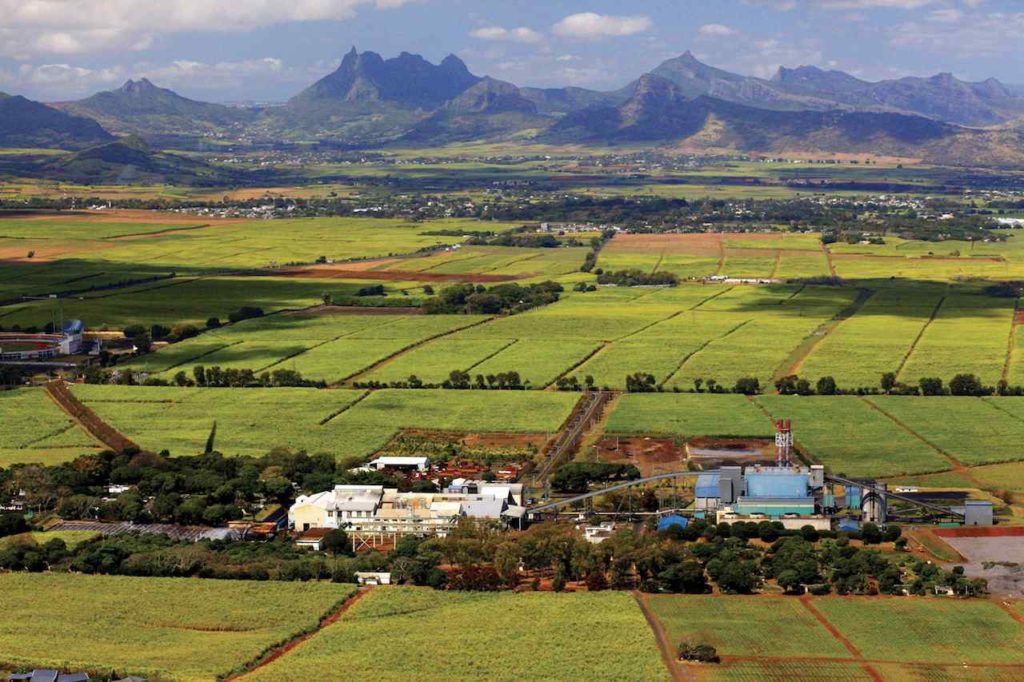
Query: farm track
(492, 355)
(703, 346)
(408, 349)
(796, 359)
(668, 657)
(920, 335)
(287, 647)
(604, 345)
(838, 636)
(59, 392)
(828, 259)
(334, 415)
(292, 356)
(1011, 344)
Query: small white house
(369, 578)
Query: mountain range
(681, 104)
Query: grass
(342, 422)
(969, 334)
(71, 538)
(688, 415)
(875, 340)
(35, 429)
(586, 636)
(745, 627)
(928, 630)
(980, 433)
(178, 629)
(328, 348)
(849, 436)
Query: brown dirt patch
(323, 310)
(333, 272)
(980, 532)
(504, 440)
(89, 420)
(652, 456)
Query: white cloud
(950, 31)
(787, 5)
(62, 81)
(521, 34)
(32, 27)
(590, 25)
(716, 30)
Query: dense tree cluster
(576, 477)
(638, 278)
(469, 299)
(205, 489)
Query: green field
(446, 636)
(178, 629)
(746, 627)
(689, 415)
(848, 435)
(36, 430)
(928, 630)
(777, 638)
(342, 422)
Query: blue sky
(232, 50)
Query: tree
(558, 583)
(826, 386)
(870, 533)
(888, 381)
(789, 580)
(787, 385)
(931, 386)
(967, 384)
(747, 386)
(336, 542)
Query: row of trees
(469, 299)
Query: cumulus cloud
(521, 34)
(206, 79)
(787, 5)
(716, 30)
(951, 31)
(590, 25)
(32, 27)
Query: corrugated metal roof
(777, 485)
(707, 485)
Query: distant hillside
(141, 108)
(488, 109)
(660, 113)
(941, 97)
(130, 160)
(24, 123)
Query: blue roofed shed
(672, 520)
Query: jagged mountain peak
(407, 80)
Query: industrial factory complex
(781, 491)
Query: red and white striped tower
(783, 442)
